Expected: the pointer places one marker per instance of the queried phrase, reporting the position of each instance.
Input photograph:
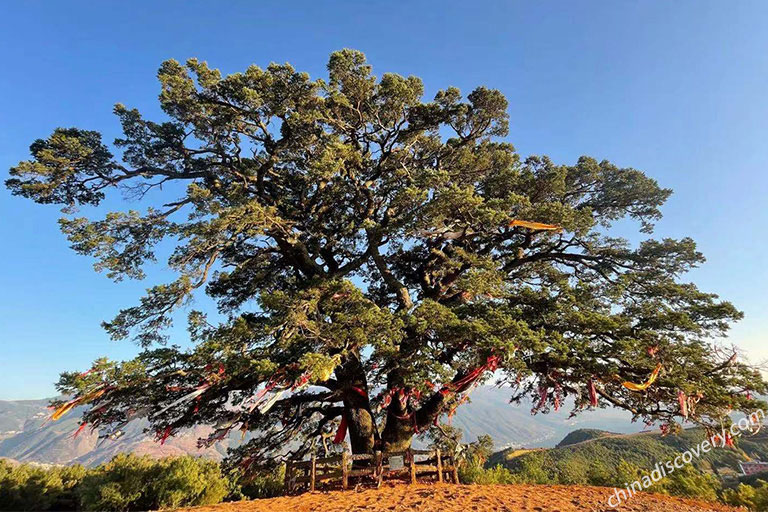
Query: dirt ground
(467, 498)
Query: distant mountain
(489, 412)
(581, 435)
(30, 437)
(26, 436)
(13, 415)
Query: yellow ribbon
(535, 225)
(64, 409)
(645, 385)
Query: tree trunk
(360, 424)
(357, 406)
(397, 434)
(402, 425)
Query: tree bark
(402, 425)
(360, 424)
(397, 434)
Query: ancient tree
(373, 256)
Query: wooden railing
(408, 465)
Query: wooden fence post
(413, 465)
(344, 471)
(287, 482)
(439, 466)
(313, 473)
(379, 461)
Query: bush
(473, 472)
(752, 497)
(126, 483)
(625, 473)
(600, 474)
(572, 472)
(188, 481)
(29, 487)
(120, 485)
(535, 469)
(130, 482)
(265, 484)
(486, 476)
(689, 482)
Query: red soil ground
(467, 498)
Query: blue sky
(676, 89)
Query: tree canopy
(376, 256)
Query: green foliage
(28, 487)
(643, 450)
(540, 468)
(121, 484)
(600, 474)
(626, 473)
(130, 482)
(360, 237)
(572, 472)
(126, 483)
(263, 484)
(604, 459)
(188, 481)
(474, 473)
(749, 496)
(690, 482)
(535, 469)
(447, 439)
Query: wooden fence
(408, 465)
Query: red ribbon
(491, 364)
(165, 434)
(592, 393)
(80, 429)
(300, 381)
(341, 433)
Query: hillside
(15, 414)
(582, 449)
(581, 435)
(26, 436)
(463, 498)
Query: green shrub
(129, 482)
(485, 476)
(752, 497)
(471, 471)
(126, 483)
(625, 473)
(572, 472)
(263, 484)
(600, 474)
(121, 484)
(29, 487)
(535, 469)
(188, 481)
(689, 482)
